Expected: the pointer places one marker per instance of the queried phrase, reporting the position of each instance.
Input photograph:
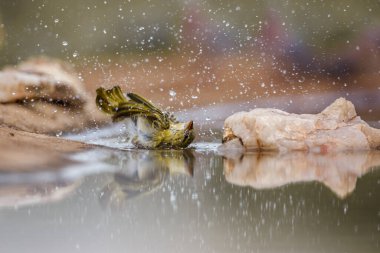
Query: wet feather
(155, 128)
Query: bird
(149, 127)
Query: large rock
(44, 95)
(335, 128)
(41, 78)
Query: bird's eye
(186, 135)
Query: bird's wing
(151, 110)
(109, 100)
(138, 99)
(114, 102)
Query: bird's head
(179, 135)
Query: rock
(41, 78)
(44, 95)
(334, 129)
(32, 168)
(338, 171)
(25, 152)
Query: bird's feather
(114, 102)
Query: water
(196, 200)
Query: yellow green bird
(151, 127)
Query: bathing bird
(148, 126)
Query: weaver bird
(150, 128)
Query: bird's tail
(110, 100)
(114, 102)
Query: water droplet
(172, 93)
(172, 197)
(301, 79)
(345, 209)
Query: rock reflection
(15, 196)
(338, 171)
(143, 171)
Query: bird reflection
(339, 171)
(143, 171)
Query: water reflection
(132, 173)
(179, 201)
(339, 171)
(20, 195)
(143, 171)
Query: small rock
(335, 128)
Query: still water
(197, 200)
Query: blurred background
(203, 59)
(184, 54)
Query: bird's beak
(189, 126)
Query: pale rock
(335, 128)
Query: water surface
(195, 201)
